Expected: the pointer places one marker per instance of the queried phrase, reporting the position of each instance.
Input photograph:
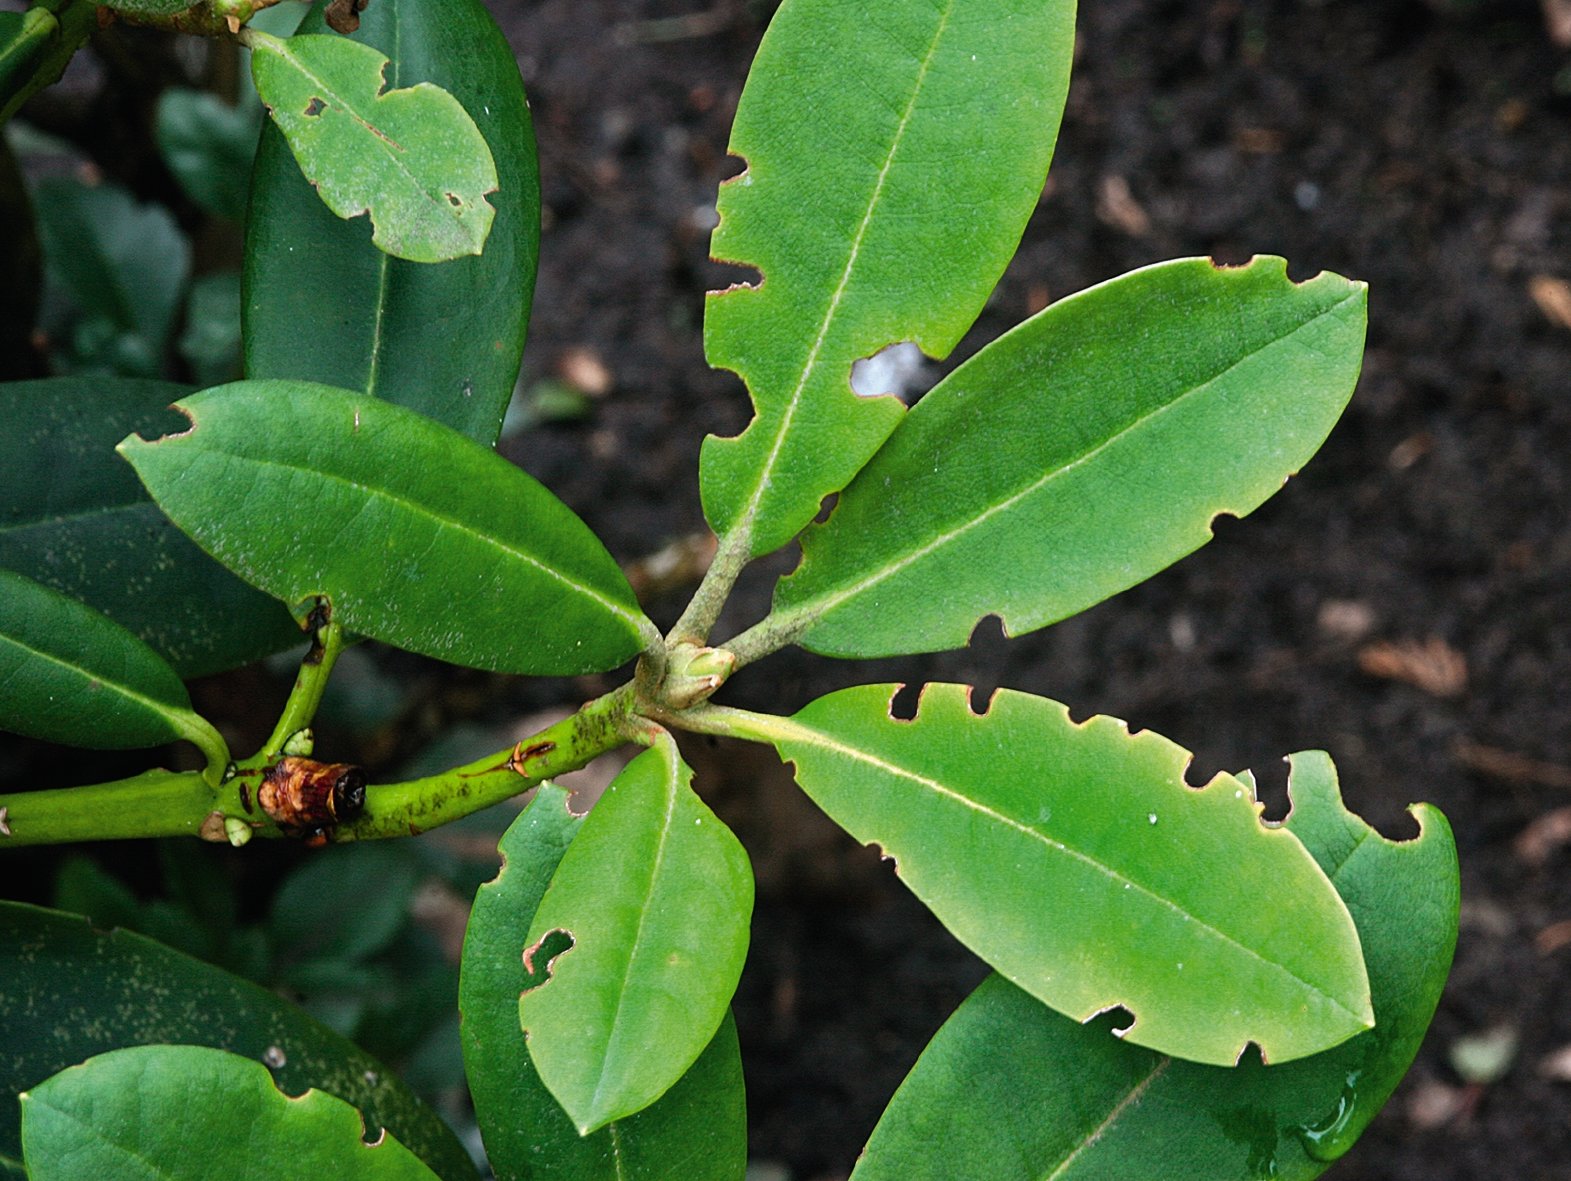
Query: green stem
(171, 803)
(327, 641)
(153, 804)
(731, 722)
(710, 598)
(769, 634)
(404, 809)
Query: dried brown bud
(302, 795)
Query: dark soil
(1424, 149)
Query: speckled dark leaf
(74, 517)
(68, 992)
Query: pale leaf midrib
(422, 511)
(614, 1037)
(749, 513)
(828, 599)
(1133, 1095)
(827, 742)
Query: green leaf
(419, 536)
(21, 263)
(1075, 860)
(444, 340)
(74, 517)
(56, 969)
(1015, 1092)
(171, 1112)
(123, 264)
(208, 145)
(72, 675)
(381, 877)
(637, 945)
(893, 156)
(1079, 454)
(697, 1130)
(210, 343)
(410, 157)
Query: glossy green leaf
(71, 992)
(893, 155)
(697, 1130)
(323, 304)
(123, 264)
(1079, 454)
(208, 145)
(637, 945)
(419, 536)
(1076, 861)
(169, 1113)
(74, 516)
(411, 157)
(1015, 1092)
(69, 674)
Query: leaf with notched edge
(1076, 861)
(1016, 1092)
(1079, 454)
(412, 158)
(654, 896)
(894, 153)
(422, 538)
(169, 1112)
(323, 304)
(696, 1131)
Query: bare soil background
(1404, 604)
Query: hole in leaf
(903, 705)
(981, 699)
(899, 369)
(314, 108)
(454, 200)
(732, 167)
(1116, 1019)
(1223, 523)
(1252, 1050)
(723, 276)
(540, 959)
(985, 656)
(826, 506)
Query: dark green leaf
(697, 1130)
(22, 265)
(1080, 454)
(380, 878)
(637, 945)
(1075, 859)
(1015, 1092)
(123, 264)
(167, 1113)
(57, 970)
(893, 156)
(74, 516)
(323, 304)
(419, 536)
(210, 343)
(208, 145)
(411, 157)
(72, 675)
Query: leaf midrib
(766, 470)
(418, 510)
(825, 602)
(672, 787)
(162, 709)
(786, 728)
